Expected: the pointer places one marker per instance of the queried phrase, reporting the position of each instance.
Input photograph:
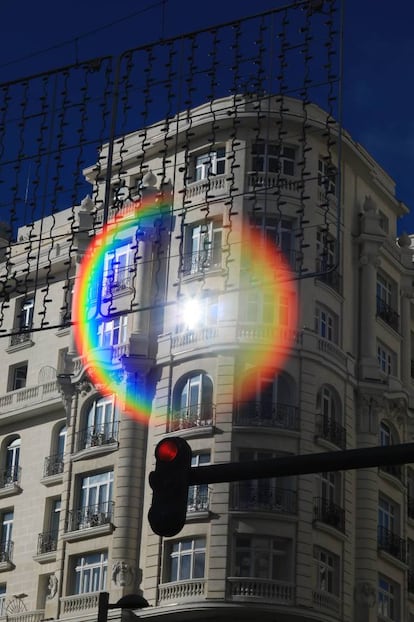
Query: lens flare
(267, 309)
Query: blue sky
(378, 52)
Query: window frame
(210, 163)
(326, 323)
(249, 556)
(327, 568)
(273, 158)
(203, 246)
(174, 571)
(388, 598)
(81, 567)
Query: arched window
(328, 405)
(101, 425)
(193, 402)
(12, 461)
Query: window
(118, 269)
(91, 572)
(198, 494)
(329, 406)
(17, 376)
(96, 500)
(272, 396)
(197, 312)
(327, 571)
(203, 243)
(193, 401)
(387, 516)
(388, 599)
(386, 359)
(113, 332)
(2, 599)
(48, 539)
(330, 486)
(55, 518)
(12, 473)
(278, 232)
(61, 442)
(387, 301)
(66, 309)
(101, 425)
(325, 250)
(6, 542)
(186, 560)
(23, 321)
(262, 557)
(327, 174)
(211, 163)
(326, 324)
(271, 158)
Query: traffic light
(169, 483)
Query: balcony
(53, 465)
(395, 470)
(325, 600)
(281, 416)
(38, 615)
(47, 542)
(329, 513)
(198, 499)
(29, 399)
(201, 262)
(278, 592)
(391, 543)
(20, 338)
(388, 314)
(333, 432)
(6, 553)
(260, 180)
(97, 436)
(196, 416)
(71, 605)
(262, 496)
(90, 516)
(10, 478)
(181, 590)
(410, 507)
(202, 189)
(410, 582)
(332, 279)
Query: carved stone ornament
(84, 387)
(370, 411)
(122, 573)
(52, 587)
(365, 594)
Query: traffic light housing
(169, 483)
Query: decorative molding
(365, 594)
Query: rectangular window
(277, 232)
(388, 599)
(6, 542)
(118, 269)
(388, 516)
(263, 557)
(272, 158)
(2, 599)
(186, 560)
(17, 376)
(327, 571)
(95, 501)
(386, 359)
(327, 174)
(113, 332)
(91, 572)
(326, 324)
(203, 245)
(387, 301)
(198, 494)
(23, 320)
(210, 163)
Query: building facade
(186, 327)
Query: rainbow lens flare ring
(260, 345)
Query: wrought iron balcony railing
(263, 495)
(283, 416)
(410, 507)
(396, 470)
(90, 516)
(388, 314)
(20, 338)
(332, 431)
(331, 278)
(197, 415)
(53, 465)
(47, 542)
(198, 499)
(6, 551)
(201, 261)
(329, 513)
(391, 543)
(10, 476)
(98, 435)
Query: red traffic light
(167, 450)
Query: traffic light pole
(300, 465)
